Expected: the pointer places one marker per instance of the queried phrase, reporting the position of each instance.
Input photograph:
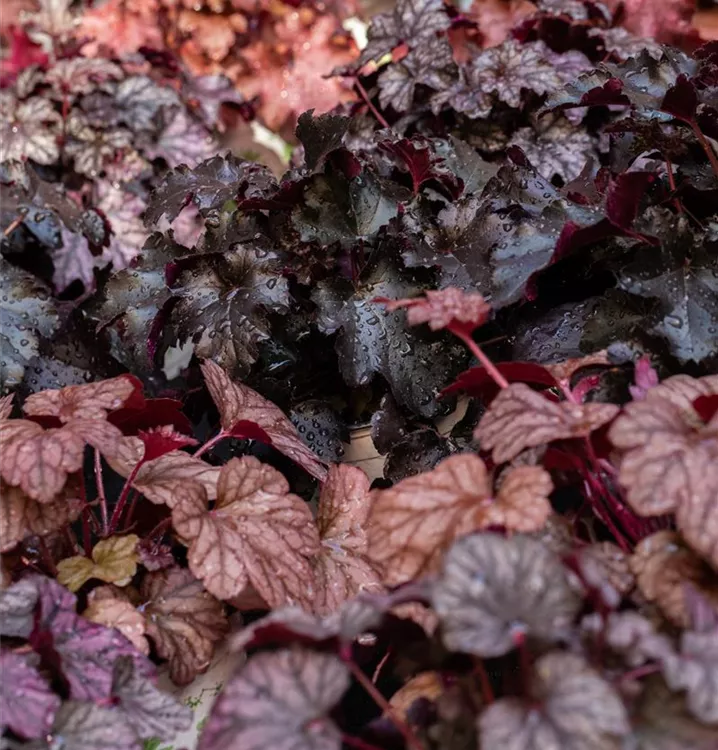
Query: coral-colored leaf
(113, 612)
(666, 449)
(664, 568)
(494, 591)
(158, 478)
(27, 705)
(279, 700)
(342, 567)
(257, 531)
(114, 560)
(445, 308)
(183, 620)
(91, 401)
(237, 402)
(520, 418)
(39, 460)
(6, 406)
(414, 522)
(21, 516)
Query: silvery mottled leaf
(149, 711)
(694, 669)
(29, 129)
(625, 44)
(81, 75)
(73, 262)
(683, 275)
(209, 93)
(93, 148)
(183, 140)
(17, 609)
(372, 341)
(570, 706)
(139, 99)
(123, 210)
(430, 64)
(512, 68)
(413, 21)
(279, 700)
(87, 726)
(556, 148)
(494, 590)
(26, 313)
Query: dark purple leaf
(321, 428)
(223, 307)
(683, 275)
(372, 341)
(26, 313)
(210, 185)
(320, 136)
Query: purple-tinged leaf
(149, 711)
(73, 262)
(87, 726)
(83, 651)
(279, 700)
(27, 705)
(17, 608)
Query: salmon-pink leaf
(342, 567)
(257, 532)
(184, 621)
(237, 402)
(91, 401)
(413, 523)
(520, 418)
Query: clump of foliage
(545, 573)
(276, 54)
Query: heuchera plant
(544, 575)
